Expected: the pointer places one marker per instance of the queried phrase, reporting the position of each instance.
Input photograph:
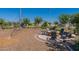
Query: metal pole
(20, 17)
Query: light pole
(20, 16)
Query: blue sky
(41, 12)
(10, 14)
(48, 14)
(56, 12)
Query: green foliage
(15, 24)
(64, 18)
(31, 25)
(56, 23)
(38, 20)
(2, 21)
(75, 21)
(45, 25)
(26, 21)
(76, 46)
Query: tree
(26, 21)
(38, 20)
(75, 21)
(2, 22)
(45, 24)
(64, 18)
(5, 25)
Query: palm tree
(64, 19)
(38, 20)
(26, 21)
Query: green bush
(76, 46)
(45, 25)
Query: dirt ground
(22, 40)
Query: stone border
(39, 39)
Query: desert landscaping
(21, 40)
(38, 33)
